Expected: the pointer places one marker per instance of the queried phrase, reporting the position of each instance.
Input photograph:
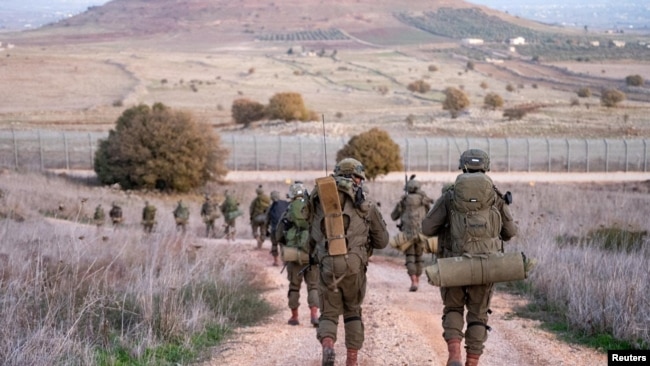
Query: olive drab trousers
(414, 258)
(346, 300)
(476, 299)
(310, 276)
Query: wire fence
(46, 149)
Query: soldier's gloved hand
(313, 260)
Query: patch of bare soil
(402, 328)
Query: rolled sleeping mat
(292, 254)
(477, 269)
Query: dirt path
(402, 328)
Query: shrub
(510, 88)
(375, 150)
(514, 113)
(634, 80)
(244, 111)
(158, 148)
(611, 97)
(584, 92)
(470, 65)
(419, 86)
(574, 102)
(287, 106)
(455, 101)
(382, 89)
(493, 101)
(484, 85)
(433, 68)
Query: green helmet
(474, 159)
(275, 195)
(259, 190)
(350, 166)
(296, 189)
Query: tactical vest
(475, 221)
(260, 205)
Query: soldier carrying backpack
(292, 234)
(475, 219)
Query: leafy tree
(584, 92)
(634, 80)
(611, 97)
(493, 101)
(419, 86)
(455, 101)
(375, 150)
(244, 111)
(158, 148)
(288, 106)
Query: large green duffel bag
(478, 269)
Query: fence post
(234, 152)
(90, 147)
(606, 156)
(448, 155)
(40, 150)
(489, 142)
(65, 147)
(300, 152)
(626, 154)
(528, 152)
(13, 134)
(408, 155)
(645, 149)
(507, 153)
(279, 152)
(587, 149)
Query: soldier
(273, 216)
(148, 217)
(345, 227)
(209, 213)
(293, 235)
(230, 210)
(257, 211)
(182, 216)
(116, 214)
(410, 210)
(480, 222)
(100, 216)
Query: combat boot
(294, 317)
(328, 351)
(314, 315)
(275, 261)
(453, 346)
(472, 359)
(351, 359)
(414, 283)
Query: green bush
(584, 92)
(611, 97)
(419, 86)
(158, 148)
(244, 111)
(493, 101)
(455, 101)
(288, 106)
(375, 150)
(634, 80)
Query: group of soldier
(335, 275)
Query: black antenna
(324, 143)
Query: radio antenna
(324, 143)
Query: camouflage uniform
(343, 278)
(410, 210)
(182, 216)
(148, 217)
(476, 298)
(100, 216)
(116, 214)
(294, 269)
(209, 214)
(273, 216)
(230, 210)
(257, 215)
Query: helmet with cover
(275, 195)
(297, 189)
(349, 167)
(474, 160)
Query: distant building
(517, 41)
(619, 44)
(595, 43)
(472, 41)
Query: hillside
(353, 64)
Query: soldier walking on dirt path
(273, 216)
(292, 235)
(475, 219)
(209, 214)
(99, 216)
(410, 210)
(148, 217)
(257, 215)
(345, 227)
(230, 210)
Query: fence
(46, 149)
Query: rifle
(507, 197)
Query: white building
(471, 41)
(517, 41)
